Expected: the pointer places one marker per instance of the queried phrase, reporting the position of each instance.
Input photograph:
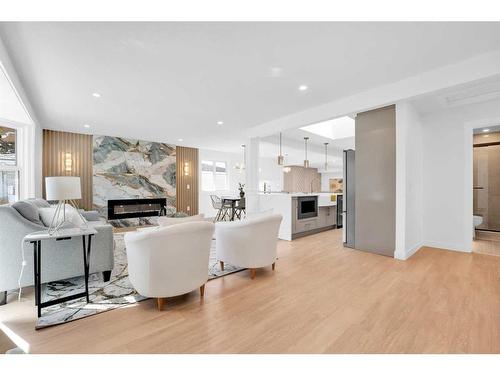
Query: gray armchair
(60, 259)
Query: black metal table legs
(37, 273)
(86, 262)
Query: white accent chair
(249, 243)
(169, 261)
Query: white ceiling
(458, 96)
(165, 81)
(294, 149)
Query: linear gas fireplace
(133, 208)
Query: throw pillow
(39, 202)
(28, 210)
(72, 216)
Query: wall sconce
(186, 169)
(68, 162)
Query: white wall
(325, 179)
(409, 181)
(444, 188)
(234, 177)
(271, 173)
(447, 173)
(30, 133)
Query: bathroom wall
(486, 180)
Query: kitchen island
(303, 213)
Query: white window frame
(13, 168)
(25, 143)
(214, 174)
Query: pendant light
(281, 159)
(326, 156)
(306, 162)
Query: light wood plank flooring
(486, 243)
(322, 298)
(5, 343)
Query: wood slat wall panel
(187, 186)
(55, 145)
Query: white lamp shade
(62, 188)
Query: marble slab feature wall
(129, 168)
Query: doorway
(486, 191)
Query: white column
(252, 151)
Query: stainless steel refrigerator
(349, 199)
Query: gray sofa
(60, 259)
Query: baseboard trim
(408, 253)
(447, 246)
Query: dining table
(232, 201)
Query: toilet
(476, 221)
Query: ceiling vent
(474, 94)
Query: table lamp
(63, 189)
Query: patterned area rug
(104, 296)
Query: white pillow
(72, 216)
(164, 221)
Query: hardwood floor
(5, 343)
(322, 298)
(486, 247)
(486, 243)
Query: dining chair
(222, 209)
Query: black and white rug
(104, 296)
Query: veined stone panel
(130, 168)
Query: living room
(239, 188)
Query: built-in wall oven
(308, 207)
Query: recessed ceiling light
(303, 87)
(180, 140)
(96, 95)
(86, 126)
(220, 122)
(275, 71)
(486, 130)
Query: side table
(36, 239)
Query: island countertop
(283, 203)
(324, 199)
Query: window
(213, 175)
(9, 171)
